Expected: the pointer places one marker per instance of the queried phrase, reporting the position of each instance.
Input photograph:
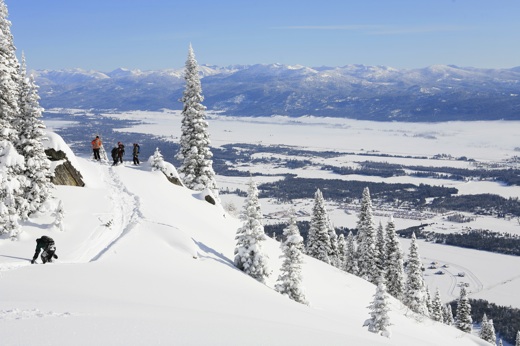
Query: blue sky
(155, 34)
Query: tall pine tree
(9, 76)
(428, 301)
(380, 250)
(289, 281)
(379, 321)
(318, 240)
(436, 313)
(463, 319)
(447, 315)
(415, 295)
(394, 272)
(30, 130)
(333, 254)
(487, 330)
(194, 153)
(249, 255)
(366, 238)
(342, 251)
(12, 165)
(350, 257)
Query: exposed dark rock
(174, 180)
(54, 155)
(209, 199)
(64, 172)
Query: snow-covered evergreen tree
(350, 257)
(9, 76)
(379, 321)
(318, 239)
(463, 319)
(289, 281)
(157, 161)
(194, 153)
(12, 183)
(366, 238)
(59, 216)
(380, 250)
(500, 343)
(12, 165)
(429, 304)
(517, 343)
(8, 213)
(342, 251)
(415, 289)
(333, 254)
(30, 129)
(436, 312)
(249, 256)
(487, 330)
(447, 315)
(158, 164)
(394, 273)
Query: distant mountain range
(435, 93)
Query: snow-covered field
(145, 262)
(480, 140)
(487, 142)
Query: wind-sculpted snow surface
(163, 274)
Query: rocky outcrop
(173, 180)
(64, 172)
(209, 199)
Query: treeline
(346, 191)
(439, 198)
(276, 230)
(369, 168)
(485, 240)
(384, 169)
(506, 319)
(483, 204)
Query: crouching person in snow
(47, 245)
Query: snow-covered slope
(146, 262)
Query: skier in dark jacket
(135, 153)
(120, 151)
(47, 245)
(115, 155)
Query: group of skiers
(46, 244)
(117, 152)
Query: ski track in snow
(125, 216)
(127, 213)
(501, 283)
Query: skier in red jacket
(96, 145)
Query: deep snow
(146, 262)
